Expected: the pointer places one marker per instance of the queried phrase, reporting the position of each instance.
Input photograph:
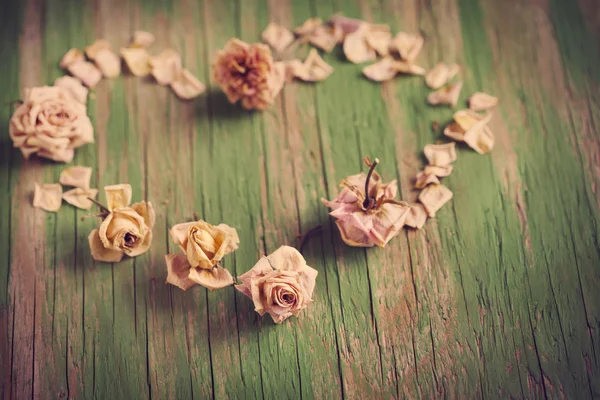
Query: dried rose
(280, 284)
(204, 246)
(247, 73)
(50, 123)
(47, 196)
(367, 213)
(125, 229)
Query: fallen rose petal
(479, 137)
(454, 131)
(166, 66)
(324, 38)
(178, 271)
(47, 196)
(438, 171)
(278, 78)
(416, 216)
(440, 155)
(214, 279)
(80, 197)
(186, 86)
(74, 87)
(378, 37)
(277, 36)
(108, 62)
(404, 67)
(467, 118)
(294, 69)
(441, 74)
(381, 71)
(101, 253)
(117, 196)
(308, 26)
(480, 101)
(433, 197)
(58, 155)
(146, 210)
(314, 68)
(345, 25)
(141, 39)
(408, 45)
(423, 179)
(137, 60)
(76, 176)
(70, 57)
(356, 47)
(446, 95)
(92, 50)
(86, 72)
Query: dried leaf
(277, 36)
(86, 72)
(70, 57)
(108, 63)
(308, 26)
(403, 67)
(313, 69)
(356, 48)
(47, 196)
(381, 71)
(117, 196)
(80, 197)
(408, 45)
(92, 50)
(166, 66)
(479, 137)
(186, 86)
(137, 60)
(74, 87)
(141, 39)
(438, 171)
(433, 197)
(446, 95)
(480, 101)
(76, 176)
(423, 179)
(378, 37)
(441, 74)
(416, 216)
(440, 155)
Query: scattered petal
(278, 79)
(423, 179)
(92, 50)
(480, 101)
(76, 176)
(137, 60)
(433, 197)
(440, 155)
(441, 74)
(141, 39)
(308, 26)
(323, 37)
(108, 62)
(416, 216)
(117, 196)
(446, 95)
(74, 87)
(166, 66)
(378, 37)
(479, 137)
(454, 131)
(345, 25)
(80, 197)
(294, 69)
(101, 253)
(356, 47)
(186, 86)
(70, 57)
(438, 171)
(277, 36)
(47, 196)
(313, 69)
(404, 67)
(86, 72)
(408, 45)
(58, 155)
(381, 71)
(216, 278)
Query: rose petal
(433, 197)
(308, 26)
(446, 95)
(260, 268)
(378, 37)
(186, 86)
(146, 210)
(314, 68)
(70, 57)
(356, 47)
(86, 72)
(416, 217)
(441, 74)
(440, 155)
(58, 155)
(76, 176)
(141, 39)
(74, 87)
(117, 196)
(381, 71)
(166, 66)
(277, 79)
(454, 131)
(345, 25)
(101, 253)
(466, 119)
(424, 179)
(294, 68)
(438, 171)
(277, 36)
(137, 60)
(479, 137)
(408, 45)
(408, 68)
(323, 37)
(47, 196)
(80, 197)
(287, 258)
(178, 271)
(108, 62)
(143, 246)
(92, 50)
(480, 101)
(214, 279)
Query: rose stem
(304, 236)
(367, 202)
(99, 205)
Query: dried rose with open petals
(280, 284)
(247, 73)
(368, 216)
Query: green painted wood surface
(496, 297)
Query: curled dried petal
(479, 137)
(213, 279)
(92, 50)
(441, 74)
(141, 39)
(277, 36)
(74, 87)
(378, 37)
(117, 196)
(381, 71)
(101, 253)
(323, 37)
(446, 95)
(313, 69)
(166, 66)
(480, 101)
(137, 60)
(408, 45)
(416, 216)
(76, 176)
(438, 171)
(433, 197)
(80, 197)
(71, 56)
(404, 67)
(86, 72)
(423, 179)
(356, 48)
(441, 155)
(186, 86)
(47, 196)
(454, 131)
(308, 26)
(108, 63)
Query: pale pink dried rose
(446, 95)
(247, 73)
(313, 69)
(108, 63)
(441, 74)
(204, 246)
(381, 71)
(47, 196)
(433, 197)
(166, 66)
(480, 101)
(440, 155)
(92, 50)
(86, 72)
(125, 229)
(277, 36)
(438, 171)
(50, 123)
(308, 26)
(74, 87)
(408, 45)
(137, 60)
(76, 176)
(416, 216)
(378, 37)
(280, 284)
(479, 137)
(423, 179)
(70, 57)
(356, 48)
(408, 68)
(367, 213)
(80, 197)
(186, 86)
(141, 39)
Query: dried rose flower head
(125, 229)
(204, 246)
(366, 211)
(51, 123)
(247, 73)
(280, 284)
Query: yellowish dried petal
(454, 131)
(356, 47)
(92, 50)
(480, 101)
(47, 196)
(86, 72)
(277, 36)
(294, 69)
(117, 196)
(214, 279)
(479, 137)
(58, 154)
(178, 271)
(71, 56)
(381, 71)
(446, 95)
(416, 216)
(408, 45)
(76, 176)
(186, 86)
(313, 69)
(441, 74)
(141, 39)
(323, 37)
(80, 197)
(137, 60)
(166, 66)
(74, 87)
(423, 179)
(433, 197)
(440, 155)
(467, 118)
(101, 253)
(108, 62)
(378, 37)
(404, 67)
(308, 26)
(438, 171)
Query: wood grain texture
(496, 297)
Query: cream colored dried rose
(280, 284)
(76, 176)
(433, 197)
(446, 95)
(313, 69)
(141, 39)
(381, 71)
(408, 45)
(204, 246)
(441, 74)
(166, 66)
(356, 48)
(47, 196)
(125, 229)
(80, 197)
(70, 57)
(440, 155)
(425, 178)
(186, 86)
(480, 101)
(247, 73)
(277, 36)
(74, 87)
(416, 216)
(50, 123)
(137, 60)
(366, 212)
(86, 72)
